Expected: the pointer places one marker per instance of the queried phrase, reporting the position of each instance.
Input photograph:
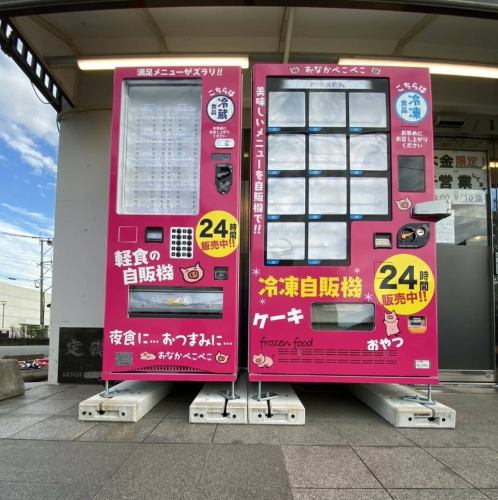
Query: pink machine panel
(342, 277)
(173, 235)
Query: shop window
(461, 177)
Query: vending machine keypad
(181, 243)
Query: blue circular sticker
(220, 109)
(411, 107)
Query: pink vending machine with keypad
(342, 263)
(173, 236)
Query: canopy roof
(265, 31)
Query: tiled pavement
(344, 452)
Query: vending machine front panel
(342, 262)
(173, 234)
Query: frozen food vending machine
(171, 310)
(342, 278)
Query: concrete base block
(211, 407)
(390, 403)
(37, 375)
(283, 409)
(129, 402)
(11, 382)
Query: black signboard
(80, 355)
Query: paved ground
(344, 452)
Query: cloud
(27, 148)
(26, 213)
(47, 186)
(27, 126)
(20, 105)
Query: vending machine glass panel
(159, 159)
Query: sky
(28, 169)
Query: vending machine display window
(327, 109)
(327, 152)
(160, 147)
(328, 163)
(342, 316)
(411, 173)
(175, 302)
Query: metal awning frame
(16, 47)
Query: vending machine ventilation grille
(168, 369)
(338, 356)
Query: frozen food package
(367, 110)
(286, 109)
(286, 195)
(369, 196)
(327, 152)
(368, 152)
(287, 152)
(327, 195)
(327, 109)
(285, 240)
(327, 240)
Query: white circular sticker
(220, 109)
(411, 107)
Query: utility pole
(42, 293)
(49, 242)
(4, 303)
(42, 276)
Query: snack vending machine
(172, 250)
(342, 277)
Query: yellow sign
(308, 287)
(217, 233)
(404, 283)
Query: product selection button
(224, 143)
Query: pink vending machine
(173, 235)
(342, 278)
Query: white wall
(22, 306)
(81, 213)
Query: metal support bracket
(264, 397)
(229, 395)
(423, 400)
